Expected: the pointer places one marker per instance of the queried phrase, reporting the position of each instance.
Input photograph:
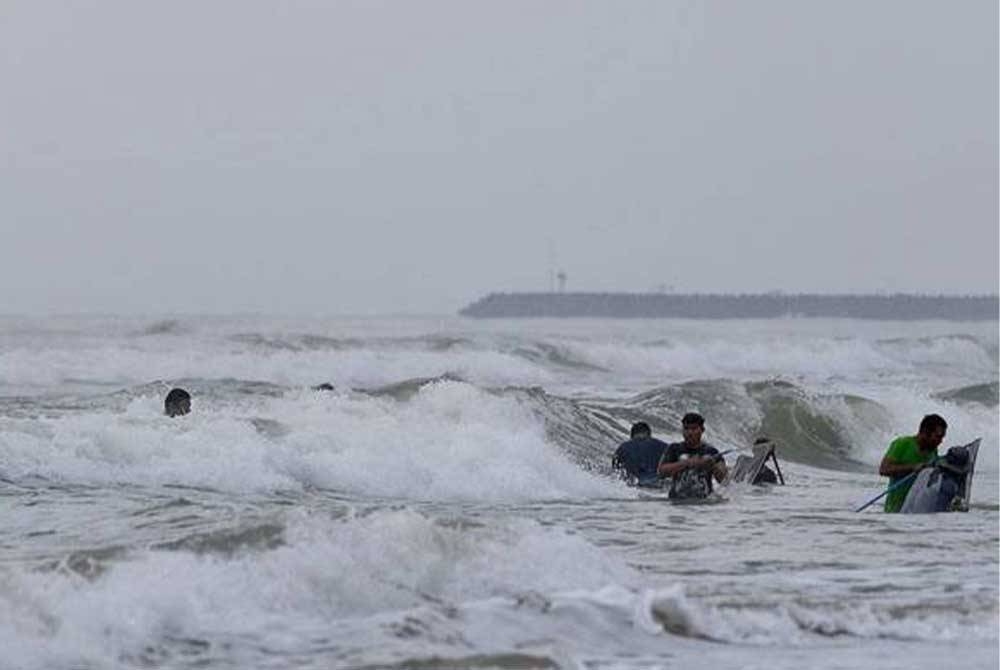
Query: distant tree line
(899, 306)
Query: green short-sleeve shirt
(905, 451)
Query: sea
(450, 502)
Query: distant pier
(908, 307)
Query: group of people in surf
(691, 465)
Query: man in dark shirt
(691, 464)
(640, 456)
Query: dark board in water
(722, 306)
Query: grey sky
(365, 157)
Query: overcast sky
(385, 157)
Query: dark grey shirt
(639, 458)
(689, 483)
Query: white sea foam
(741, 356)
(329, 570)
(379, 573)
(53, 369)
(666, 350)
(437, 558)
(450, 441)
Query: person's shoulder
(672, 451)
(659, 443)
(625, 445)
(902, 442)
(709, 449)
(901, 447)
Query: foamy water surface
(449, 504)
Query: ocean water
(450, 504)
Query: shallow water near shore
(449, 504)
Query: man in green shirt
(910, 454)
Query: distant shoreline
(900, 306)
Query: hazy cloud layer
(363, 157)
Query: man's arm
(720, 471)
(669, 464)
(672, 468)
(890, 468)
(714, 462)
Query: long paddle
(889, 490)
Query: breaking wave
(800, 622)
(419, 438)
(987, 395)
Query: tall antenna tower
(552, 266)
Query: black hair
(640, 428)
(932, 421)
(693, 419)
(175, 396)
